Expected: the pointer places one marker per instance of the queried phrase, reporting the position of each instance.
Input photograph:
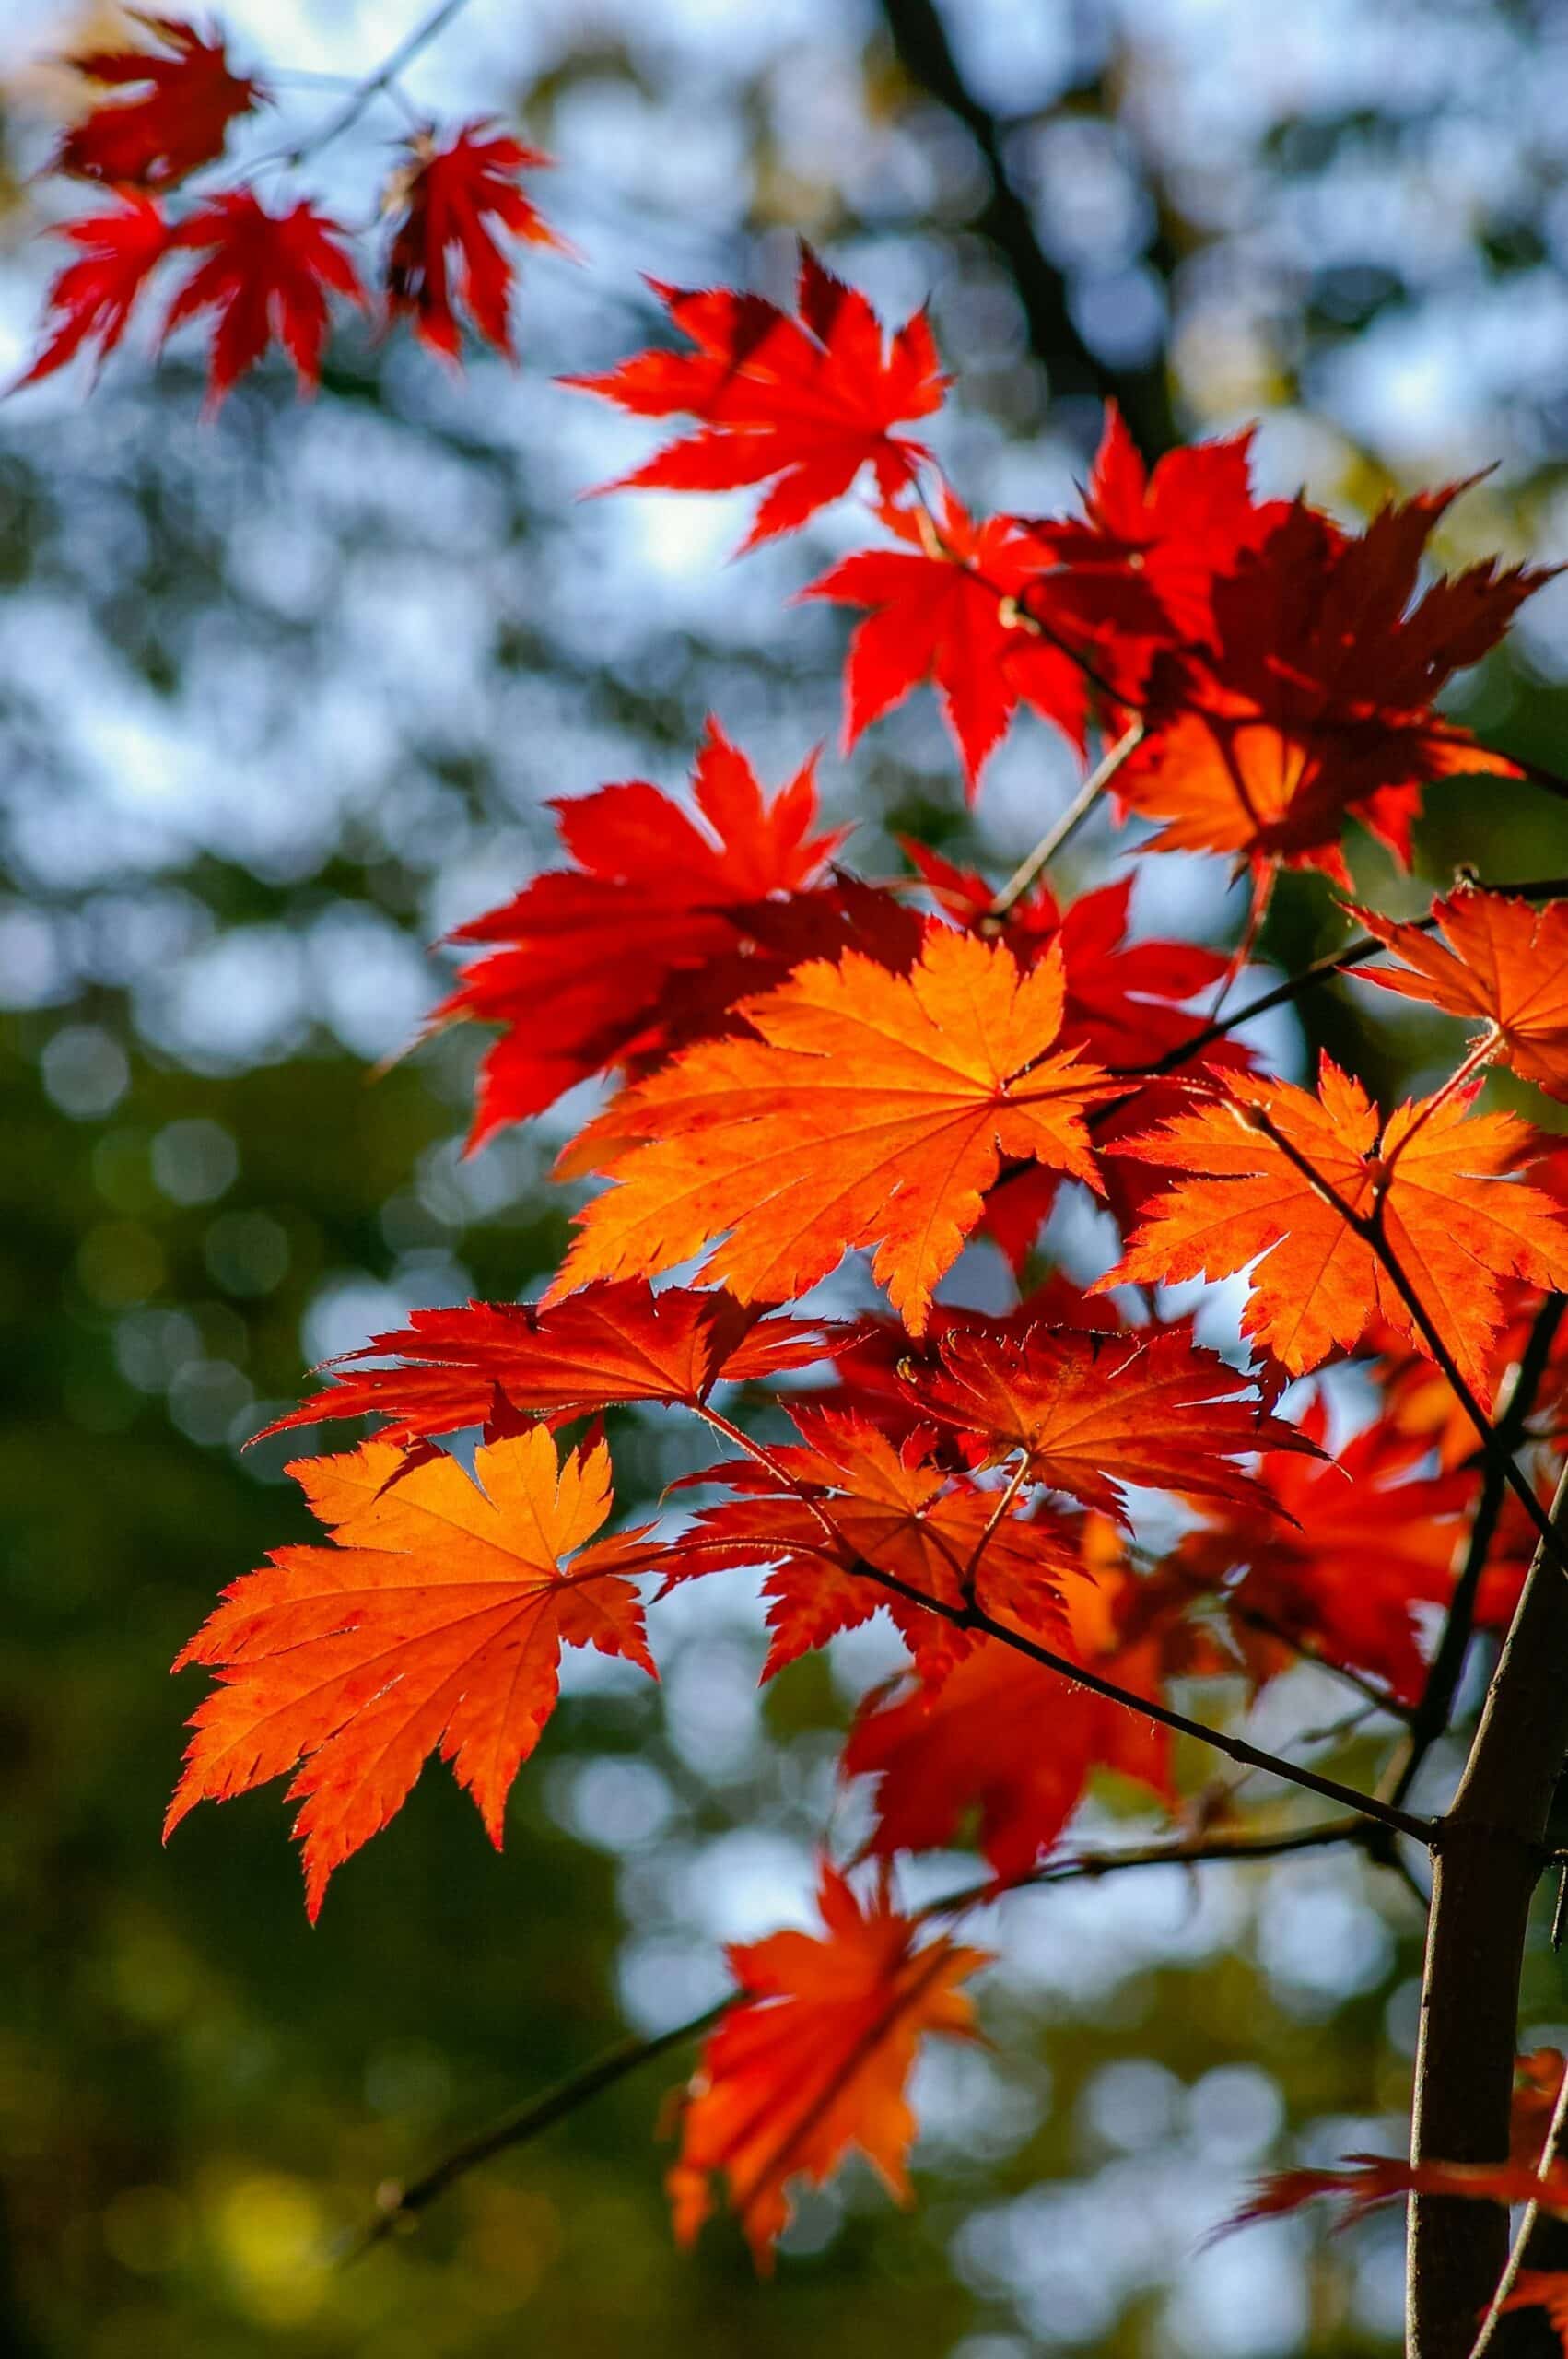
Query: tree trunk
(1488, 1863)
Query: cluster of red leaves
(797, 1067)
(269, 275)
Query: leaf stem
(1067, 826)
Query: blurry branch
(398, 2207)
(1431, 1717)
(1083, 805)
(384, 78)
(920, 39)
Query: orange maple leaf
(436, 1620)
(1093, 1413)
(603, 1346)
(1451, 1215)
(871, 1109)
(1508, 965)
(813, 2061)
(845, 1503)
(803, 404)
(174, 114)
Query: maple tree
(814, 1080)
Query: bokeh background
(281, 700)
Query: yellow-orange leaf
(813, 2061)
(1508, 965)
(1451, 1218)
(873, 1110)
(437, 1620)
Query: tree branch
(1486, 1872)
(398, 2207)
(920, 39)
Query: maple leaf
(1007, 1740)
(436, 1620)
(606, 1345)
(92, 299)
(672, 896)
(814, 2060)
(1314, 702)
(872, 1111)
(446, 197)
(800, 403)
(1092, 1413)
(1335, 1554)
(1508, 965)
(944, 609)
(177, 104)
(1438, 1179)
(847, 1503)
(267, 275)
(1139, 569)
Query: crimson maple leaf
(1505, 961)
(1336, 1555)
(446, 197)
(847, 1503)
(1006, 1738)
(1092, 1413)
(1314, 703)
(437, 1619)
(267, 275)
(813, 2061)
(1267, 1163)
(1144, 560)
(944, 608)
(603, 1346)
(800, 403)
(92, 299)
(178, 103)
(869, 1110)
(673, 898)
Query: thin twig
(1068, 824)
(1431, 1713)
(385, 75)
(398, 2207)
(1526, 2227)
(1369, 1228)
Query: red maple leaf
(1144, 560)
(1337, 1555)
(1092, 1414)
(267, 275)
(92, 299)
(847, 1503)
(1315, 703)
(1006, 1738)
(436, 1620)
(676, 899)
(603, 1346)
(447, 196)
(944, 608)
(813, 2061)
(174, 117)
(802, 404)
